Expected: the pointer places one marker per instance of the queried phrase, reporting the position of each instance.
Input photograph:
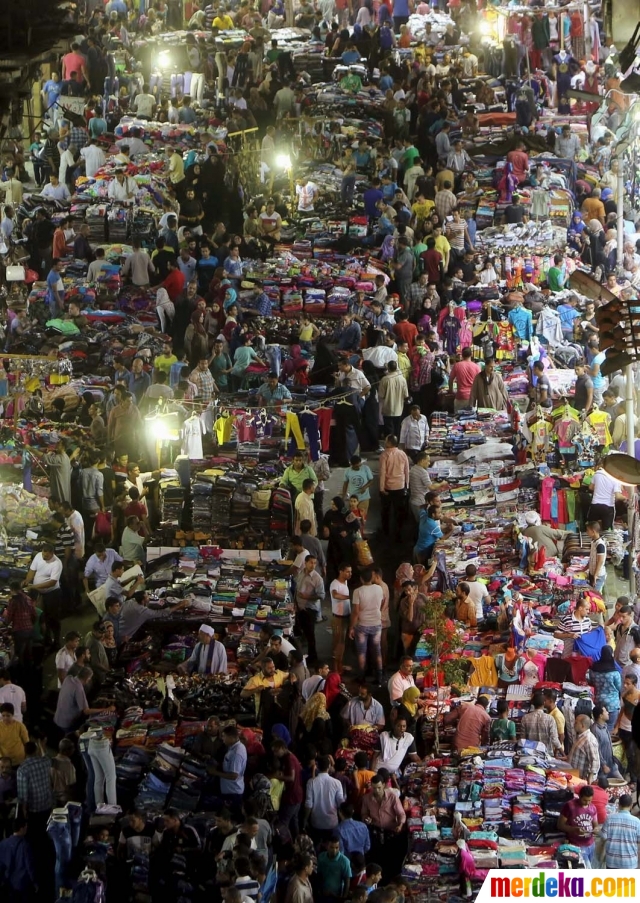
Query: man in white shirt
(137, 147)
(56, 190)
(99, 565)
(392, 392)
(323, 799)
(351, 378)
(478, 592)
(306, 192)
(603, 502)
(94, 157)
(340, 613)
(414, 431)
(44, 576)
(122, 188)
(137, 479)
(66, 657)
(10, 692)
(145, 104)
(402, 679)
(394, 746)
(74, 520)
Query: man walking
(309, 596)
(394, 482)
(619, 838)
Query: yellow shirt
(224, 23)
(422, 209)
(164, 363)
(306, 333)
(176, 168)
(404, 365)
(265, 683)
(442, 245)
(559, 719)
(12, 740)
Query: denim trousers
(104, 769)
(60, 834)
(90, 800)
(74, 811)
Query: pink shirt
(394, 469)
(463, 373)
(72, 62)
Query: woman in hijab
(166, 310)
(576, 229)
(595, 254)
(336, 696)
(280, 732)
(196, 343)
(604, 676)
(325, 365)
(407, 709)
(387, 249)
(340, 533)
(231, 300)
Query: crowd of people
(294, 820)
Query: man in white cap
(545, 537)
(208, 656)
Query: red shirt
(292, 793)
(463, 373)
(432, 260)
(406, 332)
(174, 284)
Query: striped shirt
(576, 626)
(621, 831)
(65, 539)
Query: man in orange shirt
(593, 208)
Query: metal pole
(631, 447)
(620, 214)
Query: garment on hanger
(223, 427)
(450, 333)
(324, 416)
(293, 426)
(192, 433)
(599, 421)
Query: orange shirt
(361, 784)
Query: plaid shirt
(541, 728)
(205, 383)
(416, 295)
(585, 756)
(34, 784)
(446, 202)
(21, 612)
(622, 834)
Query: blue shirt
(371, 197)
(52, 90)
(17, 865)
(356, 479)
(428, 531)
(139, 384)
(235, 761)
(334, 874)
(350, 338)
(386, 82)
(350, 56)
(567, 315)
(388, 191)
(599, 380)
(622, 834)
(354, 837)
(522, 321)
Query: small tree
(441, 638)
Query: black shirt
(513, 214)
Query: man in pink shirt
(394, 481)
(73, 62)
(519, 160)
(463, 374)
(473, 725)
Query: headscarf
(196, 318)
(409, 700)
(387, 248)
(338, 501)
(579, 225)
(404, 572)
(231, 298)
(331, 687)
(595, 226)
(383, 14)
(280, 732)
(316, 707)
(606, 662)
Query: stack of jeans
(64, 830)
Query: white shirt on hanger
(192, 432)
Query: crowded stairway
(319, 561)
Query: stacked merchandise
(95, 218)
(117, 224)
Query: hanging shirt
(192, 432)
